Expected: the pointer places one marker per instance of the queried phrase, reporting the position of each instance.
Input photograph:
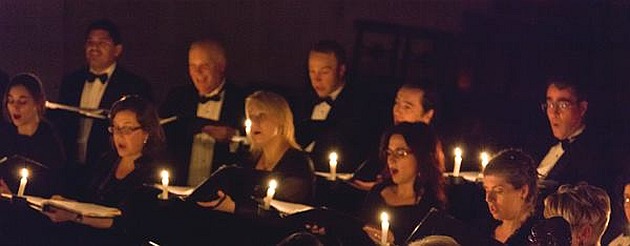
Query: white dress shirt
(212, 109)
(321, 110)
(202, 151)
(90, 98)
(554, 154)
(320, 113)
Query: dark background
(502, 50)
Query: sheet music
(288, 207)
(341, 176)
(85, 209)
(183, 191)
(470, 176)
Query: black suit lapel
(559, 171)
(112, 90)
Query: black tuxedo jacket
(122, 82)
(182, 102)
(588, 158)
(351, 129)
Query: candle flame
(333, 156)
(24, 173)
(458, 151)
(273, 184)
(485, 158)
(384, 216)
(164, 174)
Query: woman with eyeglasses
(116, 181)
(30, 135)
(413, 103)
(509, 181)
(415, 185)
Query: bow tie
(91, 77)
(327, 100)
(566, 144)
(205, 99)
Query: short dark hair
(429, 97)
(518, 169)
(146, 115)
(108, 26)
(33, 85)
(564, 82)
(331, 46)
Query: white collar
(109, 70)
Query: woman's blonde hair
(580, 205)
(278, 109)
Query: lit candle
(164, 175)
(24, 174)
(485, 158)
(333, 165)
(384, 227)
(458, 161)
(248, 126)
(273, 184)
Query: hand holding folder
(80, 208)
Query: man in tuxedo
(209, 113)
(96, 86)
(580, 153)
(337, 115)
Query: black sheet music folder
(238, 182)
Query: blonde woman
(273, 149)
(585, 207)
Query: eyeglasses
(98, 43)
(125, 130)
(397, 153)
(560, 105)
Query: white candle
(458, 161)
(164, 175)
(273, 184)
(248, 126)
(384, 227)
(333, 165)
(24, 174)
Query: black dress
(403, 219)
(296, 178)
(127, 194)
(43, 147)
(137, 204)
(520, 236)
